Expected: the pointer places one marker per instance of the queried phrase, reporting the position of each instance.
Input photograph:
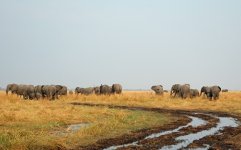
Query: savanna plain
(43, 124)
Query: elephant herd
(184, 91)
(37, 92)
(103, 89)
(53, 91)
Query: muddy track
(190, 124)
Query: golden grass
(28, 124)
(229, 102)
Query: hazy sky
(137, 43)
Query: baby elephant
(194, 93)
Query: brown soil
(228, 139)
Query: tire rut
(139, 140)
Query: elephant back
(105, 89)
(116, 88)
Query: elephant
(84, 91)
(21, 90)
(61, 90)
(194, 93)
(38, 91)
(215, 90)
(97, 90)
(49, 91)
(184, 91)
(77, 90)
(225, 90)
(105, 89)
(158, 89)
(38, 95)
(28, 92)
(176, 90)
(116, 88)
(205, 90)
(87, 91)
(12, 87)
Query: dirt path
(193, 129)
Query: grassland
(28, 124)
(229, 102)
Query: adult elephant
(38, 92)
(215, 90)
(77, 90)
(185, 91)
(175, 90)
(105, 89)
(87, 91)
(194, 93)
(12, 87)
(84, 91)
(49, 91)
(205, 90)
(158, 89)
(97, 90)
(21, 90)
(116, 88)
(28, 92)
(61, 90)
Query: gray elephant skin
(61, 90)
(215, 90)
(158, 89)
(49, 91)
(206, 91)
(194, 93)
(11, 88)
(105, 89)
(97, 90)
(116, 89)
(84, 91)
(175, 90)
(185, 91)
(211, 92)
(29, 92)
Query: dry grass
(229, 102)
(28, 124)
(32, 124)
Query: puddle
(188, 139)
(76, 127)
(72, 129)
(194, 123)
